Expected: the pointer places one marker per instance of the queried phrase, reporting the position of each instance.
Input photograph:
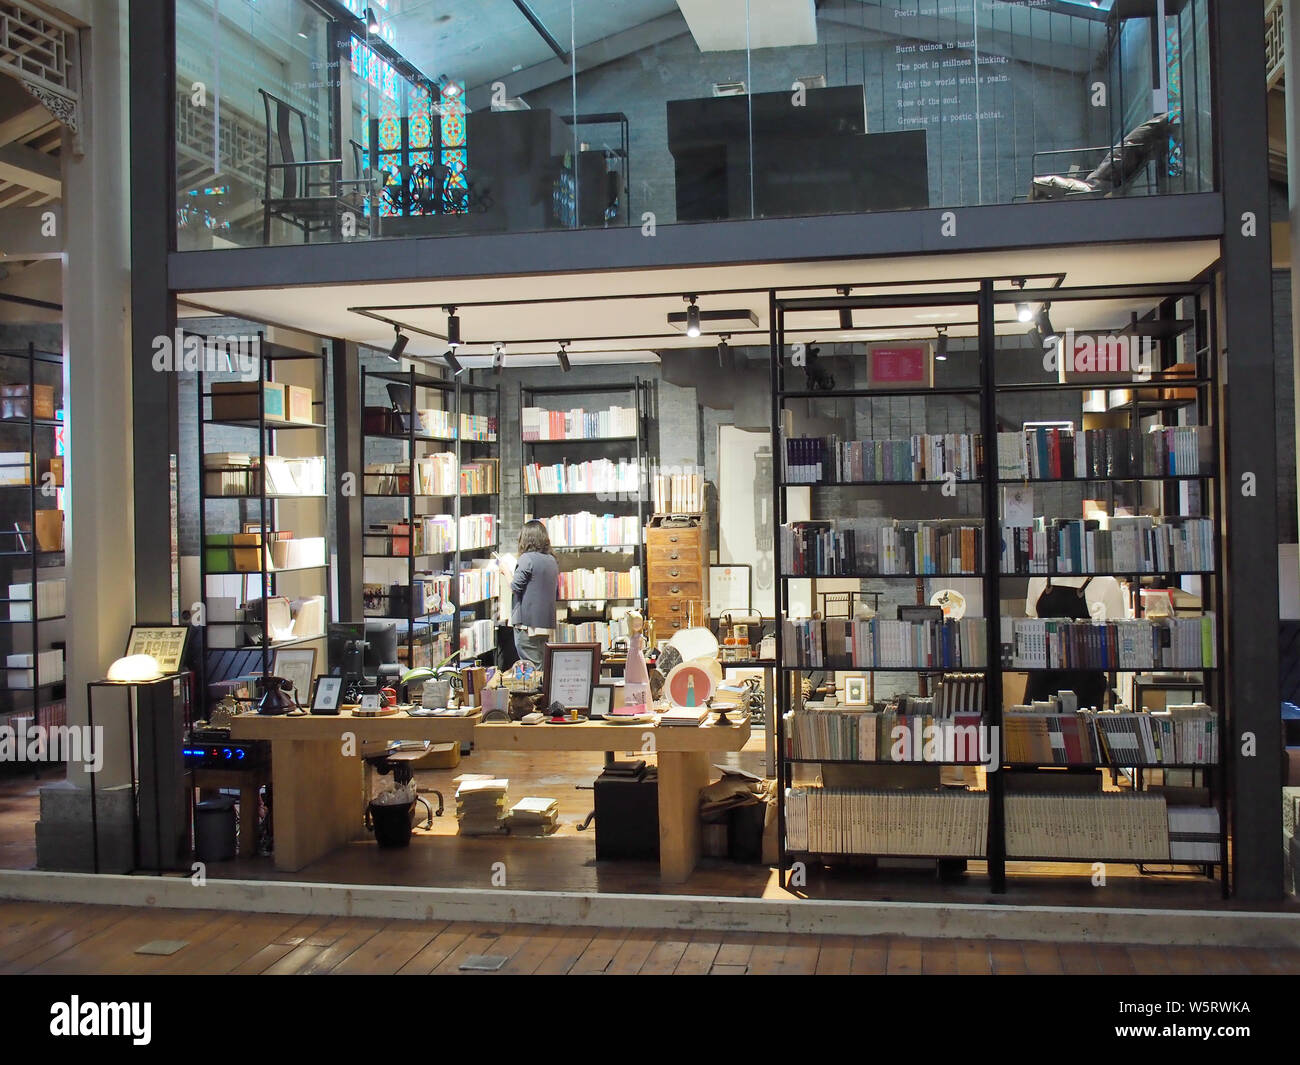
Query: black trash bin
(391, 823)
(745, 832)
(214, 829)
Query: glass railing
(415, 118)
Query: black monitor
(379, 635)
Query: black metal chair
(311, 195)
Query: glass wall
(435, 117)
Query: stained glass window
(1174, 54)
(455, 149)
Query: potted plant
(439, 682)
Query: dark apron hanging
(1064, 601)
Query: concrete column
(100, 541)
(1292, 82)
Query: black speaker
(627, 816)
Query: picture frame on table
(856, 691)
(165, 643)
(325, 699)
(297, 665)
(570, 671)
(602, 701)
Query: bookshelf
(35, 590)
(432, 567)
(263, 513)
(585, 452)
(1047, 483)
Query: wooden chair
(310, 194)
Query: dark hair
(532, 537)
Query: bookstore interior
(797, 580)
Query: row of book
(950, 823)
(877, 643)
(604, 633)
(1178, 735)
(433, 534)
(880, 546)
(1131, 545)
(920, 457)
(1126, 644)
(601, 583)
(1089, 828)
(598, 475)
(537, 423)
(442, 424)
(849, 735)
(592, 530)
(477, 636)
(1057, 453)
(230, 473)
(677, 493)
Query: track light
(453, 328)
(846, 313)
(399, 344)
(1024, 313)
(1045, 329)
(692, 317)
(941, 345)
(499, 358)
(453, 363)
(563, 356)
(726, 357)
(372, 21)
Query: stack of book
(597, 476)
(592, 530)
(538, 423)
(604, 633)
(678, 493)
(481, 804)
(840, 643)
(921, 457)
(881, 547)
(685, 716)
(601, 583)
(533, 817)
(1127, 644)
(1131, 545)
(948, 823)
(1088, 828)
(51, 600)
(1194, 834)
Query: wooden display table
(683, 755)
(318, 798)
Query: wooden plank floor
(103, 940)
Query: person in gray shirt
(535, 587)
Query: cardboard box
(299, 402)
(236, 401)
(54, 467)
(15, 467)
(49, 530)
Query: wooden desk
(683, 755)
(317, 775)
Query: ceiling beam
(24, 124)
(31, 169)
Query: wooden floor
(97, 940)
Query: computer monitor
(378, 634)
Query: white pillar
(1291, 76)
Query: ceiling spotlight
(1024, 312)
(372, 21)
(941, 345)
(453, 363)
(453, 328)
(563, 356)
(692, 317)
(499, 358)
(846, 313)
(726, 357)
(399, 344)
(1044, 323)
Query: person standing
(535, 588)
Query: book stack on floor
(951, 823)
(1090, 828)
(481, 804)
(533, 817)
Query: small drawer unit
(677, 574)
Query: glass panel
(505, 116)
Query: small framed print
(297, 665)
(569, 673)
(325, 699)
(855, 690)
(371, 701)
(602, 701)
(166, 643)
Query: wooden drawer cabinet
(677, 576)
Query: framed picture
(901, 364)
(855, 690)
(325, 699)
(297, 665)
(570, 672)
(166, 643)
(602, 701)
(729, 590)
